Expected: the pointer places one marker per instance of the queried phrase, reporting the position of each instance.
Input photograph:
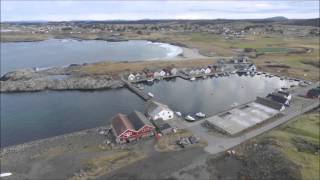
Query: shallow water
(56, 52)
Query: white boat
(178, 113)
(150, 94)
(189, 118)
(5, 174)
(140, 87)
(200, 115)
(215, 75)
(150, 80)
(192, 78)
(234, 104)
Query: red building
(132, 127)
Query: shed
(270, 103)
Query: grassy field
(299, 141)
(275, 48)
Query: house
(197, 71)
(202, 70)
(162, 73)
(174, 71)
(314, 93)
(167, 71)
(285, 94)
(270, 103)
(252, 68)
(131, 128)
(155, 110)
(131, 77)
(279, 98)
(138, 76)
(191, 72)
(162, 127)
(207, 71)
(156, 74)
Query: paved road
(218, 143)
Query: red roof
(121, 123)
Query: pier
(137, 91)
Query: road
(218, 143)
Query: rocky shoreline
(30, 80)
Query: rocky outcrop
(22, 74)
(69, 83)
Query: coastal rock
(70, 83)
(22, 74)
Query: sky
(161, 9)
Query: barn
(132, 127)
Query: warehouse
(239, 119)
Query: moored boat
(200, 115)
(150, 94)
(189, 118)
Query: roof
(161, 124)
(278, 97)
(134, 121)
(284, 93)
(314, 92)
(269, 103)
(138, 120)
(154, 106)
(121, 123)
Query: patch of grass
(306, 130)
(103, 164)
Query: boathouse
(131, 77)
(131, 128)
(270, 103)
(155, 110)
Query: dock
(137, 91)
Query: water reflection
(213, 95)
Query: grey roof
(161, 124)
(269, 103)
(278, 98)
(154, 106)
(138, 120)
(284, 93)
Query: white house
(156, 74)
(155, 110)
(207, 71)
(252, 68)
(197, 71)
(131, 77)
(203, 70)
(191, 72)
(174, 71)
(162, 73)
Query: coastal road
(218, 143)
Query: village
(159, 120)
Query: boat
(200, 115)
(178, 113)
(192, 78)
(5, 174)
(150, 80)
(234, 104)
(204, 77)
(141, 87)
(150, 94)
(189, 118)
